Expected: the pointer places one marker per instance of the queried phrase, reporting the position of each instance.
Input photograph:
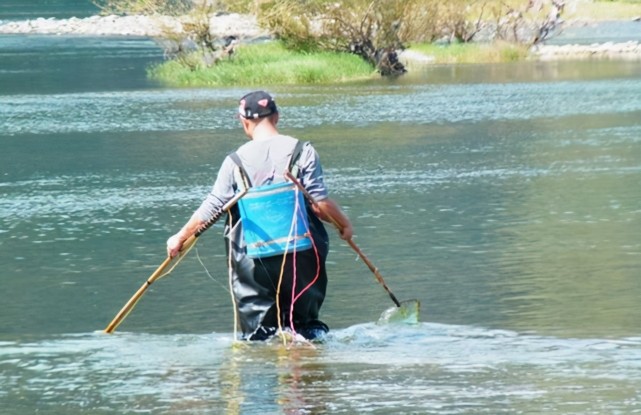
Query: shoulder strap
(298, 150)
(241, 176)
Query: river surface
(506, 198)
(33, 9)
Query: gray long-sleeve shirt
(265, 160)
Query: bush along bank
(264, 63)
(235, 51)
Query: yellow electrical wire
(292, 229)
(231, 275)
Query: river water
(506, 198)
(33, 9)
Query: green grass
(271, 64)
(267, 64)
(604, 10)
(473, 52)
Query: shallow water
(429, 368)
(504, 197)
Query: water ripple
(366, 367)
(204, 109)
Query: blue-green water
(32, 9)
(506, 198)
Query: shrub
(267, 64)
(372, 29)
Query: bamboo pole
(351, 243)
(160, 271)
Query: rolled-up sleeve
(221, 192)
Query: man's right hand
(174, 245)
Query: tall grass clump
(494, 52)
(267, 63)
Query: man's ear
(246, 125)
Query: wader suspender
(243, 182)
(264, 209)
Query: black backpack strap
(298, 150)
(243, 178)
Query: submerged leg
(255, 288)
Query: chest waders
(271, 253)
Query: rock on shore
(242, 26)
(609, 50)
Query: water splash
(423, 367)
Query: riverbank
(266, 63)
(609, 50)
(246, 27)
(228, 24)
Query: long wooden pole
(351, 243)
(160, 271)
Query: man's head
(258, 113)
(257, 104)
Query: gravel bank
(609, 50)
(242, 26)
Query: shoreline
(246, 27)
(231, 24)
(630, 50)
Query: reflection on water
(504, 197)
(34, 65)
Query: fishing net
(406, 313)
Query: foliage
(191, 43)
(267, 64)
(473, 52)
(241, 6)
(372, 29)
(530, 23)
(375, 29)
(461, 20)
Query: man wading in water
(266, 257)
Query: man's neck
(264, 130)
